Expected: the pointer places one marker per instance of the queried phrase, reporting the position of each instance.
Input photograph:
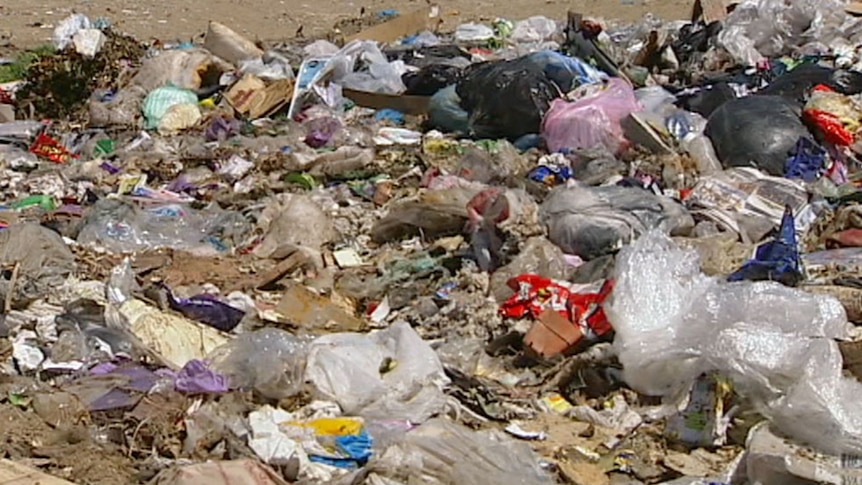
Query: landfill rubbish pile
(544, 251)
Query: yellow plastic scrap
(331, 426)
(557, 403)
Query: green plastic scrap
(301, 178)
(46, 202)
(105, 147)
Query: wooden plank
(12, 473)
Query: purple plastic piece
(196, 377)
(207, 309)
(321, 131)
(221, 129)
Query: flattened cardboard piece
(407, 104)
(401, 26)
(854, 8)
(252, 97)
(639, 131)
(12, 473)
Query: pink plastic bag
(592, 120)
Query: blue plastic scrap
(391, 115)
(777, 260)
(566, 72)
(807, 161)
(354, 451)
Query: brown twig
(7, 305)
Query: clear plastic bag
(758, 29)
(269, 361)
(592, 120)
(442, 452)
(777, 344)
(533, 30)
(121, 227)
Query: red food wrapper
(832, 128)
(49, 148)
(535, 294)
(6, 97)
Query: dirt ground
(26, 23)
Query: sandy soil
(26, 23)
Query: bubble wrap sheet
(673, 323)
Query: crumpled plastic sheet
(673, 323)
(591, 222)
(758, 29)
(442, 452)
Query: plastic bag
(796, 84)
(593, 120)
(505, 99)
(68, 27)
(390, 374)
(377, 76)
(290, 222)
(442, 452)
(673, 324)
(473, 32)
(757, 131)
(121, 227)
(591, 222)
(565, 71)
(159, 102)
(445, 112)
(758, 29)
(182, 69)
(42, 259)
(207, 309)
(431, 79)
(533, 30)
(269, 361)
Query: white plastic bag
(777, 344)
(390, 374)
(381, 76)
(68, 27)
(533, 30)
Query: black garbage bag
(693, 38)
(756, 131)
(797, 83)
(425, 56)
(506, 99)
(430, 79)
(706, 100)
